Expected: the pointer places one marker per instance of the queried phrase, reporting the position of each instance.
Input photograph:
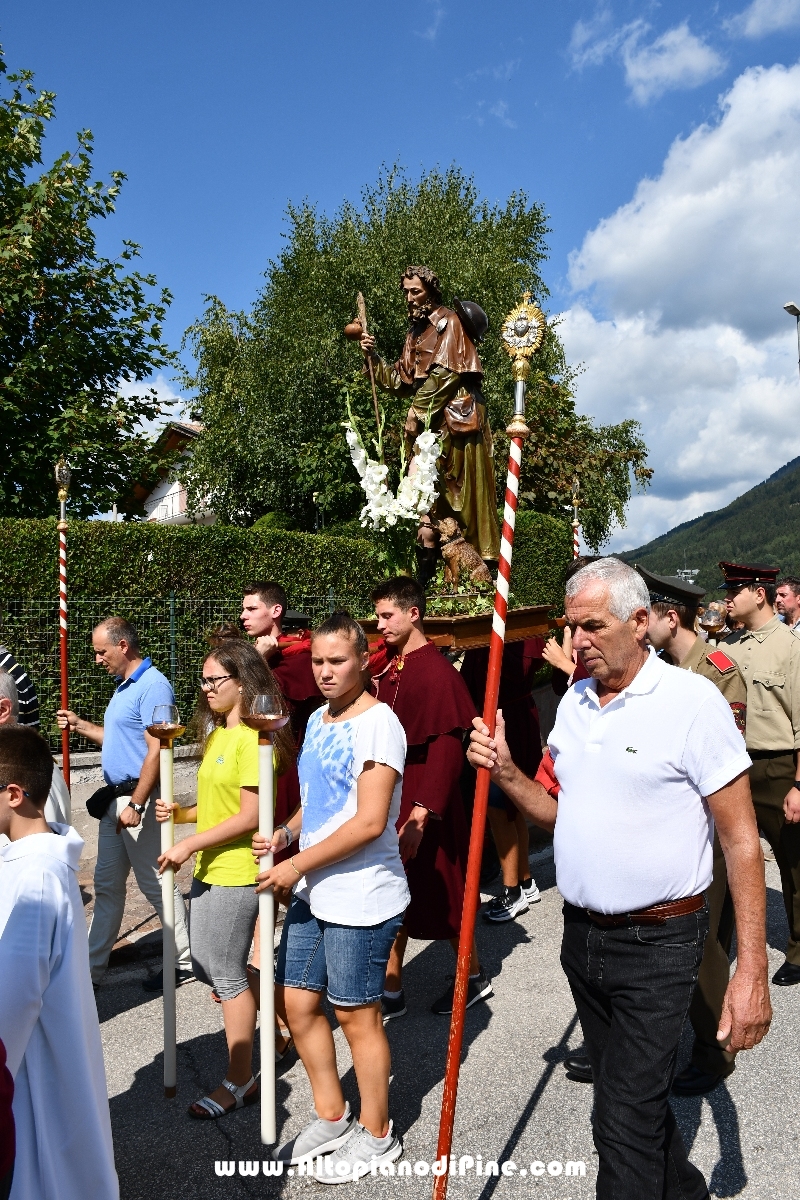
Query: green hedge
(199, 561)
(542, 550)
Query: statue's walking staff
(355, 331)
(522, 334)
(267, 716)
(166, 726)
(63, 476)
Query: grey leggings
(221, 924)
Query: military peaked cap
(671, 589)
(738, 575)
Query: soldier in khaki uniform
(768, 655)
(671, 630)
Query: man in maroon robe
(288, 655)
(433, 705)
(521, 660)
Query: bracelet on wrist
(289, 835)
(294, 868)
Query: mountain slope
(760, 526)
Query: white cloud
(500, 110)
(437, 16)
(166, 393)
(693, 341)
(763, 17)
(676, 60)
(715, 235)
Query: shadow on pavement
(161, 1150)
(552, 1057)
(729, 1176)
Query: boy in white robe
(48, 1018)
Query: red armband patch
(721, 661)
(546, 775)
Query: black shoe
(786, 975)
(506, 906)
(694, 1081)
(393, 1007)
(156, 982)
(478, 989)
(578, 1067)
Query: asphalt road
(515, 1101)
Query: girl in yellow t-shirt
(224, 905)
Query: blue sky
(661, 138)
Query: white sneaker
(356, 1156)
(318, 1137)
(530, 891)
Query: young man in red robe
(434, 707)
(521, 661)
(288, 655)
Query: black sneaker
(392, 1007)
(478, 989)
(156, 982)
(506, 906)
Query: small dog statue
(459, 556)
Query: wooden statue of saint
(439, 370)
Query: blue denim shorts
(349, 961)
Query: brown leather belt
(657, 915)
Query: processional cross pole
(63, 476)
(522, 334)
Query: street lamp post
(794, 311)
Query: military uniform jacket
(769, 660)
(724, 674)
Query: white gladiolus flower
(417, 491)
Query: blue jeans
(347, 960)
(632, 988)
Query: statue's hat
(472, 317)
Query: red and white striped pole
(522, 332)
(62, 473)
(576, 525)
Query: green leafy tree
(272, 384)
(73, 325)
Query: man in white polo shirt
(643, 761)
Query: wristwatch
(796, 784)
(137, 808)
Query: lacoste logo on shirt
(630, 750)
(221, 758)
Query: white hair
(626, 589)
(8, 691)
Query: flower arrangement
(395, 517)
(417, 491)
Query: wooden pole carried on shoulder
(522, 334)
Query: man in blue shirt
(129, 834)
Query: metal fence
(172, 632)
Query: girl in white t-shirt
(350, 894)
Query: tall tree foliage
(272, 384)
(73, 325)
